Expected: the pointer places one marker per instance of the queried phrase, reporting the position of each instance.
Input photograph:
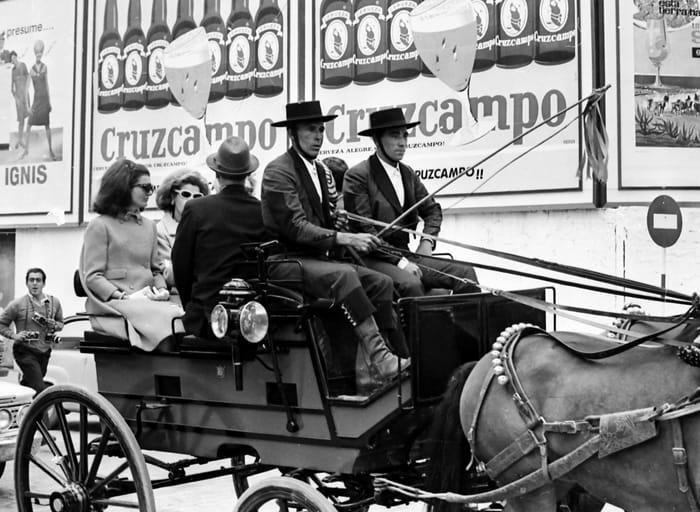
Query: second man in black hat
(382, 188)
(299, 208)
(207, 249)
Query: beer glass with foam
(444, 32)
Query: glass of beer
(187, 66)
(444, 32)
(657, 46)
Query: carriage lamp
(5, 419)
(219, 321)
(251, 319)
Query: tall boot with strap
(374, 364)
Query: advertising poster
(661, 139)
(134, 112)
(37, 86)
(526, 69)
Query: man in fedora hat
(207, 249)
(300, 207)
(382, 188)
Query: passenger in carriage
(299, 207)
(174, 192)
(207, 250)
(120, 269)
(382, 188)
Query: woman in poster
(41, 106)
(20, 91)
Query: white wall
(613, 241)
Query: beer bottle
(516, 33)
(134, 60)
(109, 67)
(269, 49)
(370, 41)
(216, 34)
(240, 79)
(184, 22)
(556, 32)
(425, 70)
(337, 43)
(157, 40)
(403, 62)
(484, 11)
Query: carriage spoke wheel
(91, 460)
(283, 494)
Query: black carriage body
(182, 397)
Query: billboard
(38, 86)
(660, 102)
(134, 114)
(527, 68)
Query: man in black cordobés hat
(298, 207)
(382, 188)
(207, 252)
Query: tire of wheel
(283, 488)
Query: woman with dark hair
(119, 265)
(177, 188)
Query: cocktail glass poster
(660, 93)
(526, 69)
(135, 114)
(37, 86)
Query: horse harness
(607, 434)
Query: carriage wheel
(91, 462)
(283, 494)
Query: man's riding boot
(374, 363)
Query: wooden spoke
(108, 478)
(41, 464)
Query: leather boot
(374, 363)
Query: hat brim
(370, 131)
(215, 166)
(309, 119)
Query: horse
(562, 386)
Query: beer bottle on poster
(403, 62)
(485, 14)
(370, 41)
(134, 60)
(425, 70)
(556, 32)
(516, 33)
(240, 79)
(337, 43)
(109, 66)
(184, 22)
(269, 49)
(157, 40)
(216, 35)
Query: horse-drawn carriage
(272, 392)
(269, 393)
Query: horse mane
(447, 446)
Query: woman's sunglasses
(186, 194)
(146, 187)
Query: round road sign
(664, 221)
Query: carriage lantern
(237, 310)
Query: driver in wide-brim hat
(299, 207)
(383, 188)
(207, 249)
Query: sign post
(664, 222)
